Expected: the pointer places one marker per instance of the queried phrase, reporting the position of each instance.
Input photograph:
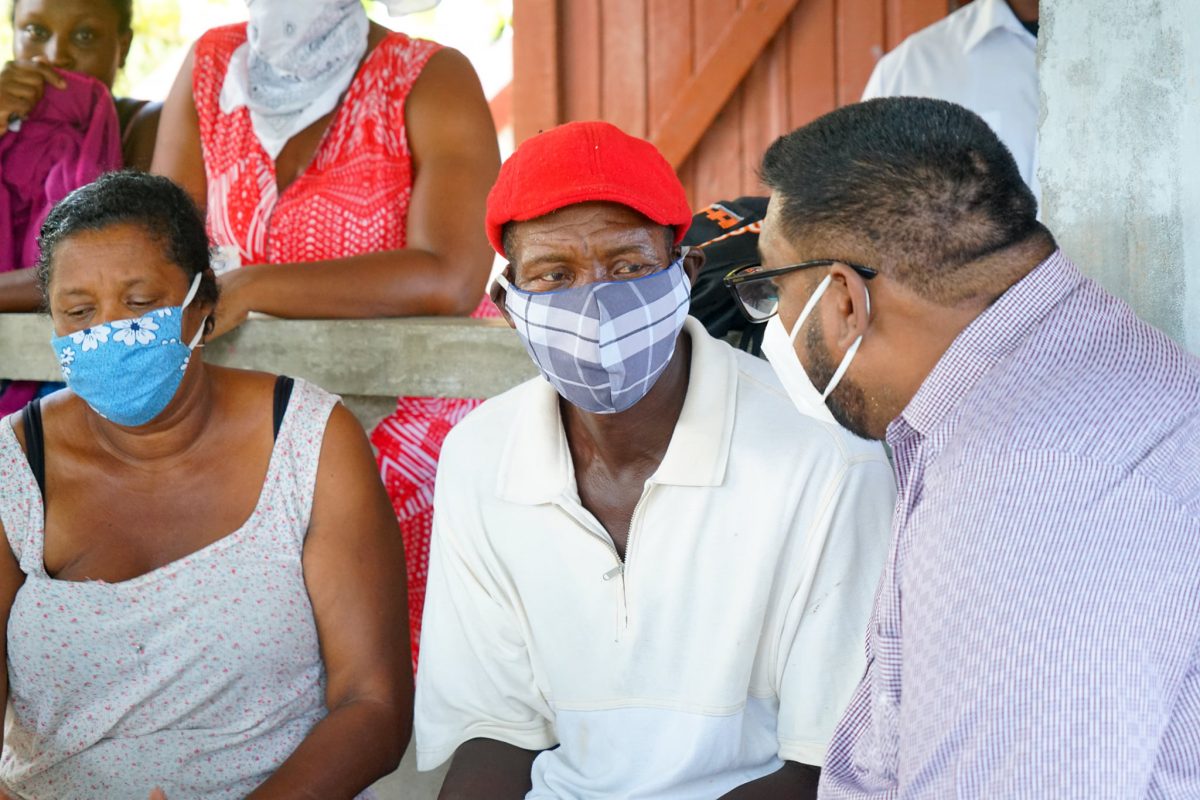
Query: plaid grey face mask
(603, 345)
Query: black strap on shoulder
(35, 439)
(283, 394)
(35, 442)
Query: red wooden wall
(711, 82)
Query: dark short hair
(924, 187)
(156, 204)
(124, 9)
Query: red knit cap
(582, 162)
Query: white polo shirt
(728, 641)
(980, 57)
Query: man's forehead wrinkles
(590, 228)
(608, 241)
(589, 246)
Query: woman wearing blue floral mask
(199, 584)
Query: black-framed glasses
(757, 294)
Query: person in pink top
(88, 37)
(345, 168)
(58, 119)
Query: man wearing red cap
(650, 574)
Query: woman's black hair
(156, 204)
(124, 9)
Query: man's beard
(848, 403)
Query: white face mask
(779, 346)
(299, 58)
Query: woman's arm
(139, 136)
(354, 570)
(19, 291)
(11, 579)
(444, 267)
(177, 151)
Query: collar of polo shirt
(992, 336)
(536, 467)
(993, 15)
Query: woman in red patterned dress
(375, 209)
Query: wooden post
(536, 101)
(721, 71)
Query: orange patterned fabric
(409, 444)
(352, 199)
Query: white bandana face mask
(779, 346)
(299, 58)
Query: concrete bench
(368, 362)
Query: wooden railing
(368, 362)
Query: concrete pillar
(1120, 149)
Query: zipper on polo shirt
(621, 570)
(633, 529)
(586, 520)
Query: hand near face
(22, 84)
(233, 307)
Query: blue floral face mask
(128, 370)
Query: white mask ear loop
(191, 295)
(846, 359)
(808, 307)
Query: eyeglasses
(757, 293)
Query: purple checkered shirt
(1037, 628)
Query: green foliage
(157, 36)
(162, 29)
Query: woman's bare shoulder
(139, 131)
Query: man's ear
(849, 306)
(693, 262)
(498, 294)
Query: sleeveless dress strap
(283, 394)
(35, 443)
(298, 450)
(35, 440)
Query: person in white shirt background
(650, 575)
(983, 57)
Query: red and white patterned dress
(352, 199)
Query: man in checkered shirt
(1037, 630)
